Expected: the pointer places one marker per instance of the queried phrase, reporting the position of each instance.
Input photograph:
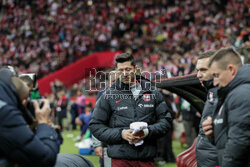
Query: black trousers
(164, 147)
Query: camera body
(31, 108)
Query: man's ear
(232, 69)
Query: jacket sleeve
(100, 120)
(206, 152)
(96, 142)
(163, 118)
(238, 143)
(20, 145)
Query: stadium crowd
(45, 35)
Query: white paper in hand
(138, 126)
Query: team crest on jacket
(211, 96)
(146, 97)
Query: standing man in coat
(231, 121)
(206, 152)
(130, 99)
(100, 148)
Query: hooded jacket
(231, 121)
(117, 108)
(206, 152)
(18, 144)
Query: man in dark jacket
(206, 152)
(130, 100)
(231, 121)
(100, 148)
(18, 144)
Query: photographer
(18, 144)
(31, 81)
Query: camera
(31, 108)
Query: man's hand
(127, 135)
(43, 114)
(140, 135)
(98, 151)
(207, 126)
(198, 114)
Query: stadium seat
(188, 157)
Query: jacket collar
(242, 77)
(208, 84)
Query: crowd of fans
(45, 35)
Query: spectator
(188, 113)
(80, 102)
(164, 144)
(245, 52)
(61, 107)
(78, 107)
(44, 36)
(84, 119)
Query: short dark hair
(27, 79)
(226, 56)
(206, 54)
(124, 57)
